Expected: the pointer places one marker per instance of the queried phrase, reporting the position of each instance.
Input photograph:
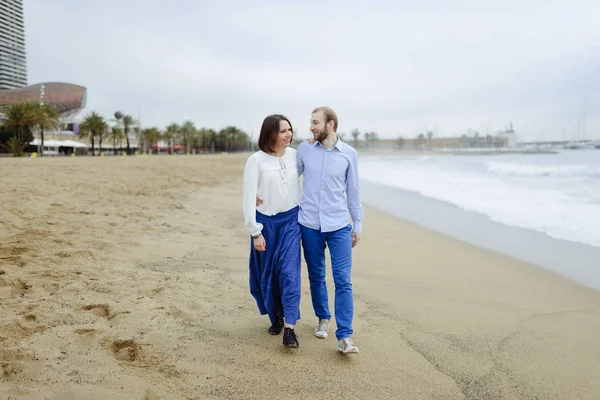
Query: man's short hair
(330, 115)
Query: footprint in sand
(19, 287)
(123, 350)
(20, 284)
(7, 369)
(10, 361)
(20, 329)
(103, 310)
(85, 331)
(30, 318)
(150, 395)
(13, 259)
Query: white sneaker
(322, 329)
(345, 345)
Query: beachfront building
(68, 99)
(13, 63)
(509, 136)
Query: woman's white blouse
(272, 179)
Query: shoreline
(478, 229)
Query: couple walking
(279, 221)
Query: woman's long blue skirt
(275, 273)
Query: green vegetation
(22, 120)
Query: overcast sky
(394, 67)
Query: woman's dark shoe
(277, 326)
(289, 338)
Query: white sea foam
(528, 170)
(555, 194)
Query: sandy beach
(126, 278)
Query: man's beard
(321, 135)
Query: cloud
(391, 67)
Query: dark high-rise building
(13, 61)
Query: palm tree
(241, 141)
(151, 136)
(15, 146)
(19, 119)
(374, 137)
(140, 135)
(205, 137)
(355, 135)
(229, 138)
(46, 118)
(213, 141)
(171, 133)
(420, 141)
(93, 126)
(128, 123)
(188, 129)
(116, 134)
(221, 139)
(371, 138)
(400, 141)
(103, 134)
(429, 137)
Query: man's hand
(355, 238)
(260, 244)
(258, 202)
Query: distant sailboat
(578, 143)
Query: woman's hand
(260, 244)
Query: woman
(271, 175)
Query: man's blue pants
(339, 242)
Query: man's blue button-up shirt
(330, 191)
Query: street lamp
(42, 93)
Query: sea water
(543, 208)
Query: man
(330, 195)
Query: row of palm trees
(185, 136)
(370, 137)
(22, 120)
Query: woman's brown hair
(269, 131)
